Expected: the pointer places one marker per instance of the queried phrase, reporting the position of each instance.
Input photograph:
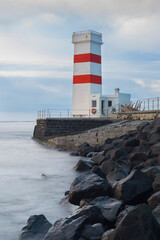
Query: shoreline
(109, 191)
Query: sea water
(33, 179)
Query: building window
(94, 103)
(109, 103)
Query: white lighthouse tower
(87, 79)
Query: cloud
(154, 85)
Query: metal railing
(148, 104)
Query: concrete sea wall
(56, 127)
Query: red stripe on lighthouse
(80, 79)
(87, 57)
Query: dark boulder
(84, 165)
(151, 162)
(123, 213)
(117, 175)
(138, 224)
(108, 166)
(154, 138)
(137, 158)
(154, 200)
(84, 149)
(88, 186)
(132, 189)
(156, 183)
(156, 213)
(131, 142)
(66, 229)
(74, 153)
(152, 172)
(36, 228)
(155, 150)
(98, 158)
(98, 171)
(109, 207)
(92, 212)
(93, 232)
(106, 234)
(117, 153)
(141, 126)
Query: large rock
(156, 183)
(132, 189)
(93, 232)
(131, 142)
(88, 186)
(66, 229)
(155, 149)
(36, 228)
(154, 200)
(84, 165)
(98, 171)
(108, 166)
(84, 149)
(92, 212)
(156, 213)
(137, 158)
(108, 206)
(138, 224)
(98, 158)
(152, 172)
(123, 213)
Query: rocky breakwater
(118, 192)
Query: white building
(87, 97)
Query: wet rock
(92, 212)
(156, 213)
(36, 228)
(132, 189)
(84, 149)
(154, 200)
(98, 171)
(138, 224)
(84, 165)
(66, 229)
(123, 213)
(151, 162)
(131, 142)
(106, 234)
(151, 171)
(117, 153)
(137, 158)
(99, 159)
(74, 153)
(117, 175)
(155, 150)
(93, 232)
(154, 138)
(88, 186)
(109, 207)
(156, 183)
(108, 166)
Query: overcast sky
(36, 53)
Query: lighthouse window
(109, 103)
(94, 103)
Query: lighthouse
(87, 98)
(87, 78)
